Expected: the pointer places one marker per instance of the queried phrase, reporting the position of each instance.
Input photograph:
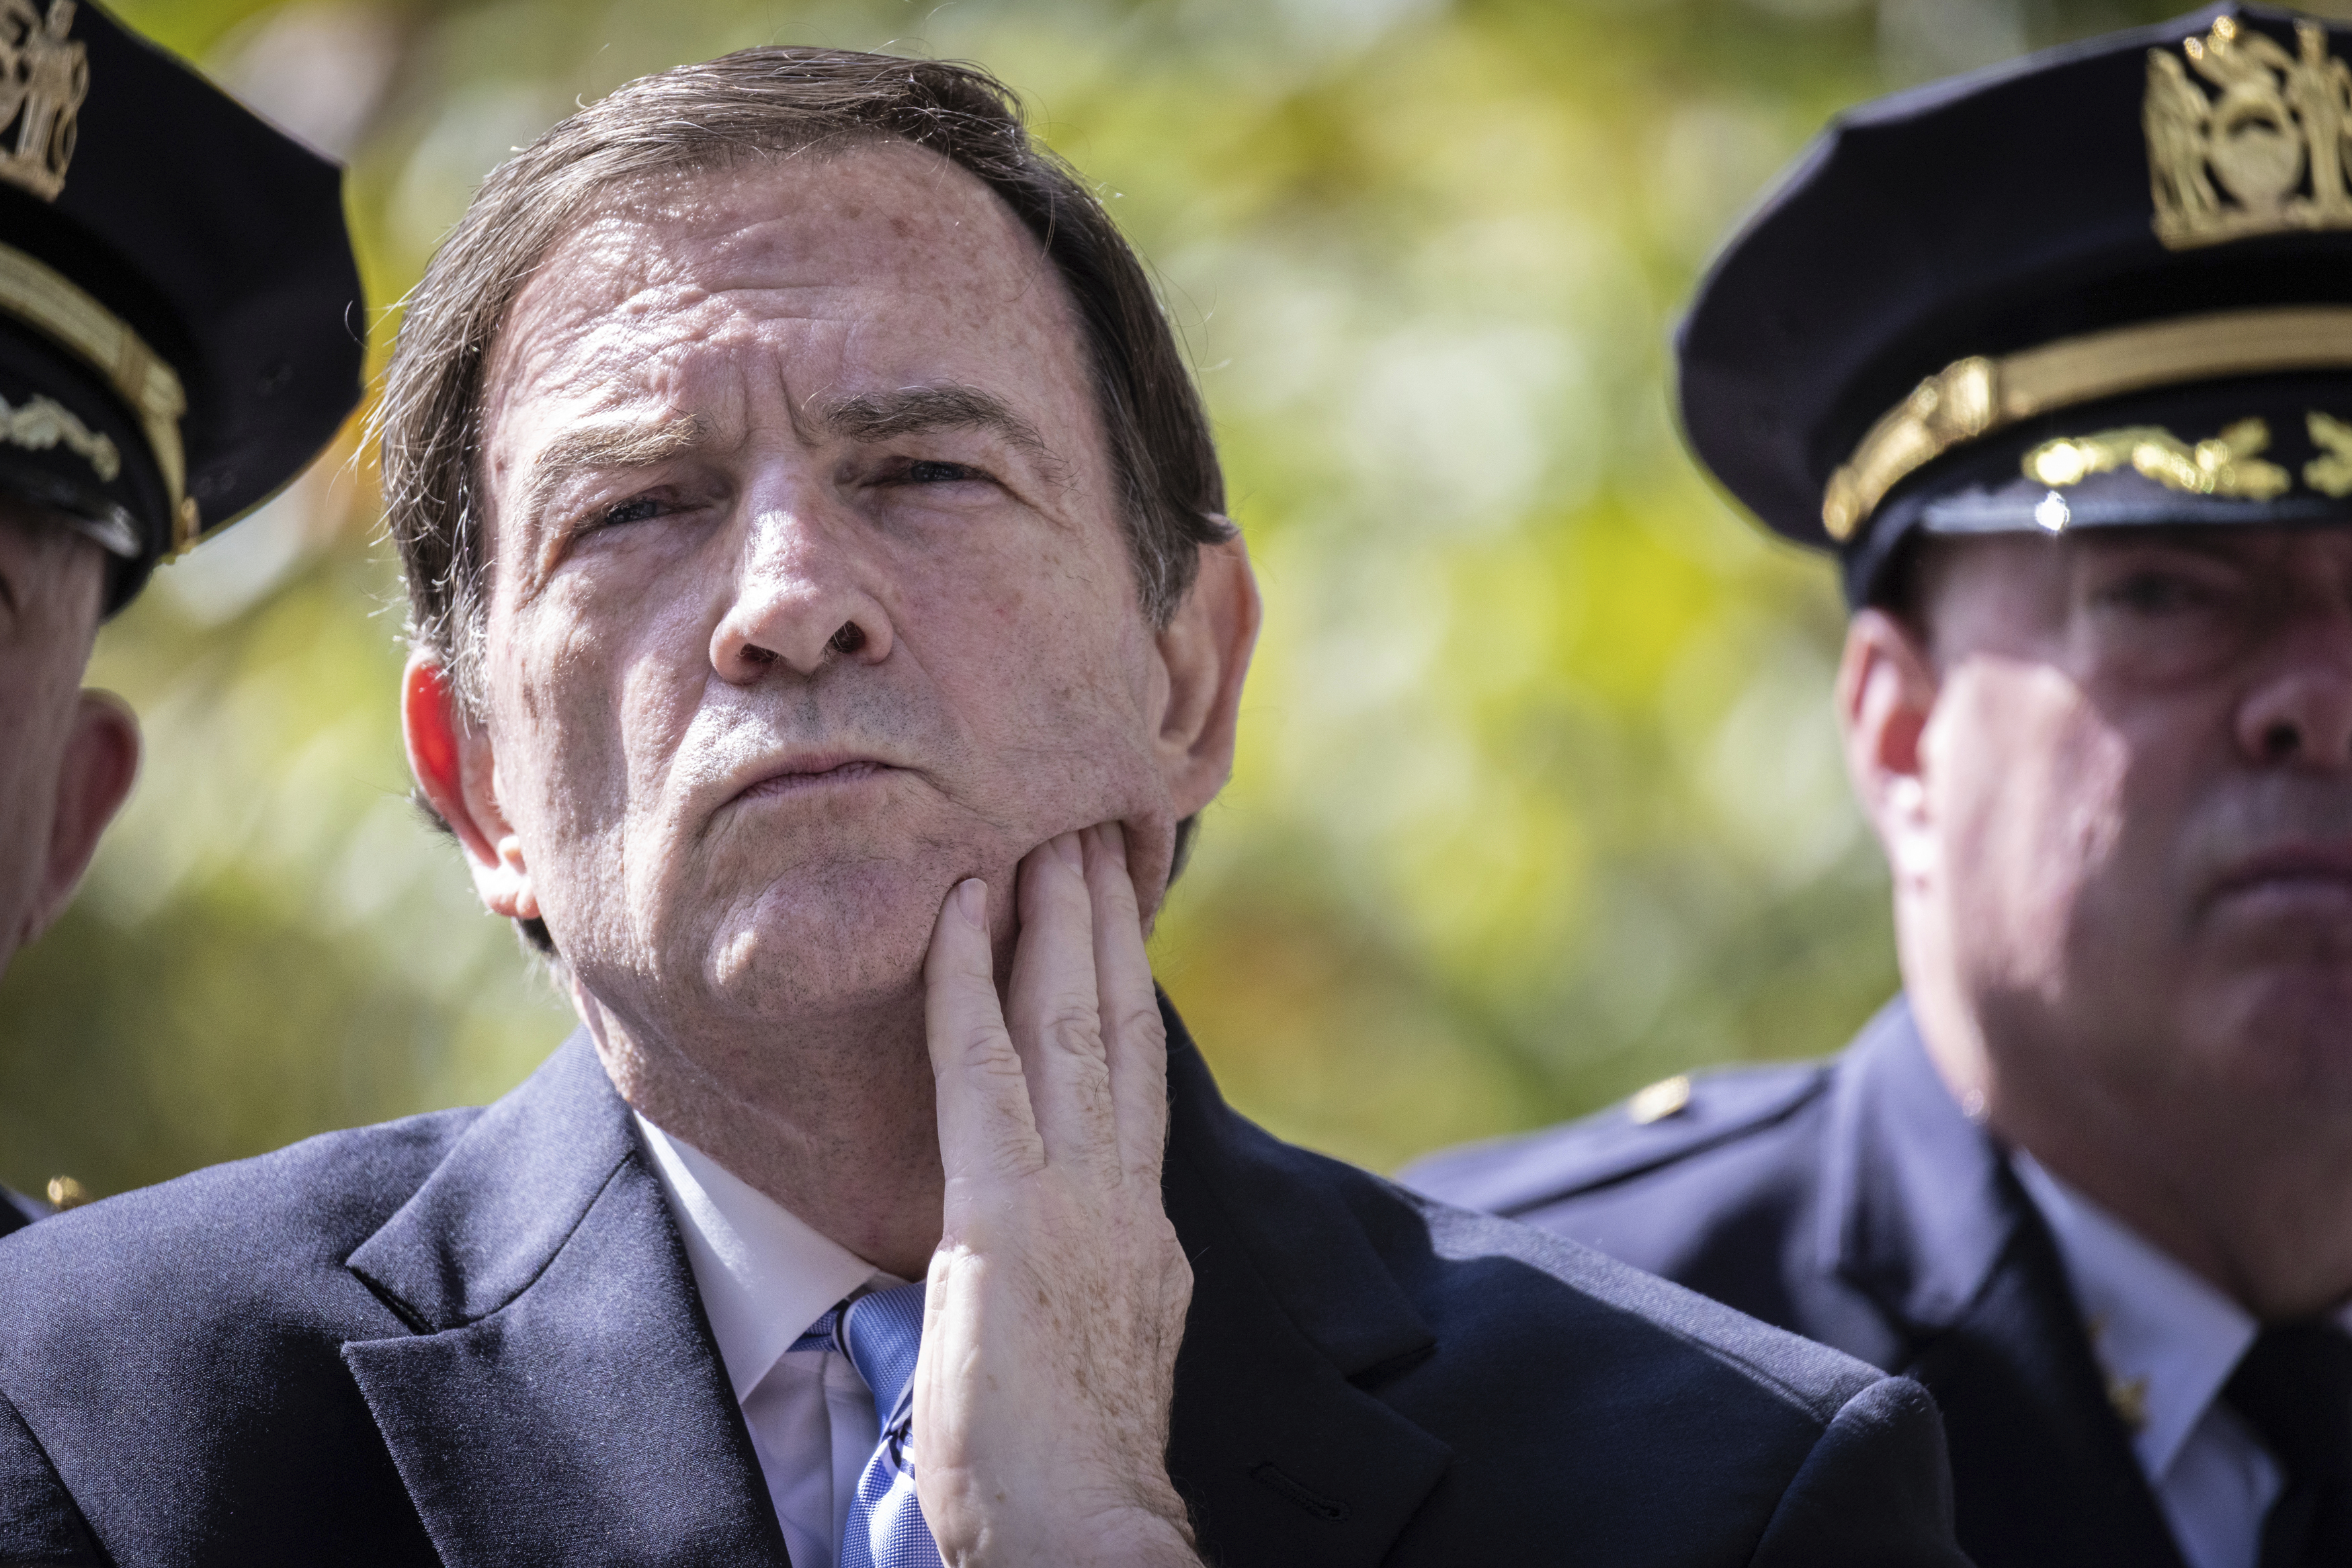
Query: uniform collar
(1919, 1207)
(2166, 1337)
(765, 1276)
(1922, 1213)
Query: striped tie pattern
(882, 1334)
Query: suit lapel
(1926, 1217)
(562, 1393)
(1283, 1459)
(562, 1399)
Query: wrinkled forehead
(918, 269)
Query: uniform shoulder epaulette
(1671, 1120)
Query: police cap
(2105, 285)
(180, 327)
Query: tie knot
(2295, 1386)
(882, 1334)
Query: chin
(2282, 1032)
(844, 943)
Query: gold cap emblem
(44, 75)
(1977, 396)
(2265, 153)
(2225, 465)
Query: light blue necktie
(882, 1334)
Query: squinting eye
(926, 472)
(2151, 593)
(635, 511)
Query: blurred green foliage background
(1539, 796)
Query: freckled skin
(811, 603)
(753, 967)
(2094, 740)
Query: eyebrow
(864, 416)
(909, 410)
(614, 445)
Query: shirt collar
(763, 1274)
(2165, 1338)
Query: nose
(2299, 712)
(800, 599)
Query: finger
(985, 1128)
(1135, 1037)
(1056, 1014)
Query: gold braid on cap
(53, 304)
(2244, 137)
(1976, 396)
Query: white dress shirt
(764, 1278)
(2167, 1340)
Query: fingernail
(971, 901)
(1073, 856)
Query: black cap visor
(69, 445)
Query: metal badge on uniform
(44, 77)
(1667, 1097)
(2151, 328)
(178, 298)
(2265, 153)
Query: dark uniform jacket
(1851, 1202)
(473, 1337)
(16, 1211)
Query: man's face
(811, 592)
(51, 580)
(2138, 779)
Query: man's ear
(1886, 689)
(94, 778)
(1205, 652)
(452, 759)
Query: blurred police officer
(2058, 360)
(179, 335)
